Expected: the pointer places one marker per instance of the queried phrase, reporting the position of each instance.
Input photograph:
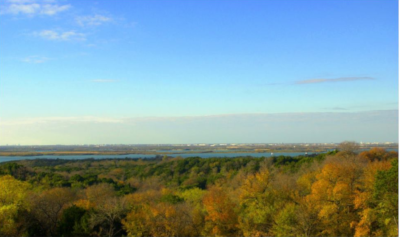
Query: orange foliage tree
(333, 194)
(221, 218)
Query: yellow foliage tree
(333, 194)
(258, 204)
(13, 195)
(160, 219)
(366, 226)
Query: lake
(98, 157)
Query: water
(187, 150)
(99, 157)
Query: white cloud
(335, 108)
(48, 120)
(62, 36)
(50, 9)
(35, 59)
(95, 20)
(29, 9)
(250, 118)
(32, 8)
(20, 1)
(103, 80)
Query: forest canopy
(339, 193)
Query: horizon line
(202, 143)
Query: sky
(129, 72)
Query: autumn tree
(138, 219)
(107, 215)
(348, 146)
(306, 212)
(258, 204)
(377, 154)
(95, 194)
(163, 214)
(348, 149)
(161, 219)
(48, 206)
(286, 223)
(13, 203)
(333, 194)
(307, 220)
(193, 201)
(221, 218)
(365, 203)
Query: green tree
(74, 222)
(386, 196)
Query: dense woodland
(340, 193)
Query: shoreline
(63, 153)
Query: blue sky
(77, 69)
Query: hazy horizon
(376, 126)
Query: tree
(377, 154)
(107, 216)
(17, 171)
(138, 219)
(258, 204)
(348, 146)
(154, 218)
(285, 223)
(96, 194)
(48, 206)
(348, 150)
(13, 202)
(221, 218)
(386, 195)
(363, 202)
(73, 222)
(333, 194)
(308, 222)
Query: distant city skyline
(136, 72)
